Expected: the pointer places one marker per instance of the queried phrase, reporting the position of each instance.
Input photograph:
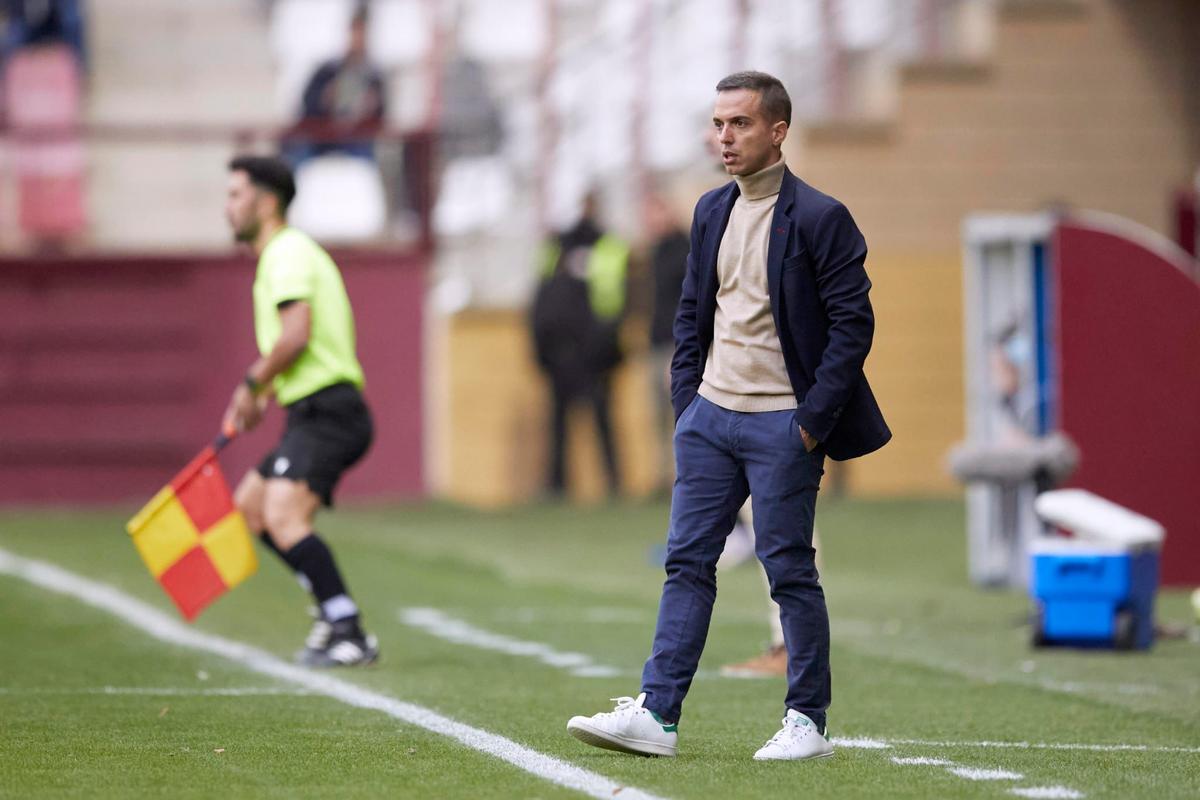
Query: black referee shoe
(318, 636)
(348, 646)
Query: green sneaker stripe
(672, 728)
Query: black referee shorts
(327, 433)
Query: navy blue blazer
(818, 288)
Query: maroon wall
(1129, 317)
(114, 371)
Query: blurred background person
(576, 319)
(343, 105)
(34, 22)
(668, 263)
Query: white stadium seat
(509, 31)
(399, 32)
(474, 193)
(339, 198)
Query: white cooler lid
(1096, 520)
(1069, 546)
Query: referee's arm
(248, 403)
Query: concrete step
(205, 62)
(157, 196)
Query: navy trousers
(722, 456)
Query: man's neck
(265, 234)
(764, 183)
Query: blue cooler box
(1090, 594)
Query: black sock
(312, 558)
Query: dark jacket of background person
(344, 99)
(818, 288)
(573, 339)
(575, 319)
(668, 265)
(31, 22)
(347, 91)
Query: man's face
(242, 207)
(747, 140)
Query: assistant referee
(305, 331)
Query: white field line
(166, 629)
(165, 691)
(864, 743)
(592, 615)
(861, 743)
(438, 624)
(978, 774)
(1046, 792)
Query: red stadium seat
(42, 94)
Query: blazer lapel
(781, 228)
(718, 220)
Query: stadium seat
(399, 32)
(339, 198)
(313, 29)
(474, 193)
(42, 91)
(503, 32)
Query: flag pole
(228, 434)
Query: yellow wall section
(916, 371)
(496, 400)
(1094, 108)
(491, 408)
(492, 417)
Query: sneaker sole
(598, 738)
(805, 758)
(306, 659)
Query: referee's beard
(248, 232)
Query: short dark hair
(773, 98)
(269, 173)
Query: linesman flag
(192, 538)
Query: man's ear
(266, 203)
(779, 132)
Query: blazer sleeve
(839, 255)
(686, 369)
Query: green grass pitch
(93, 707)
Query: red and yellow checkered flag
(192, 538)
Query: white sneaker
(797, 740)
(629, 728)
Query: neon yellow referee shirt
(294, 267)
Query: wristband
(254, 386)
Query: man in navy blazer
(773, 327)
(818, 289)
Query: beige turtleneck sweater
(745, 369)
